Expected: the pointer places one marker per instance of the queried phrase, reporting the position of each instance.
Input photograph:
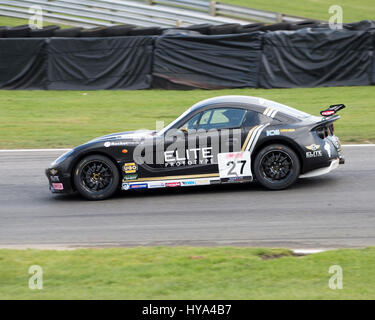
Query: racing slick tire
(96, 177)
(276, 167)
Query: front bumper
(59, 182)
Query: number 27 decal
(234, 164)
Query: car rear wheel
(96, 177)
(276, 167)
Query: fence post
(149, 2)
(212, 9)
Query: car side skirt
(180, 181)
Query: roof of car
(256, 102)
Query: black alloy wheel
(96, 177)
(276, 167)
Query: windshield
(166, 128)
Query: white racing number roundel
(234, 164)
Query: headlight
(61, 158)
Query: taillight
(324, 132)
(321, 133)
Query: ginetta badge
(313, 147)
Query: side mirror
(184, 129)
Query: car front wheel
(276, 167)
(96, 177)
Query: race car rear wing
(324, 127)
(333, 109)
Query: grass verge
(12, 22)
(186, 273)
(55, 119)
(314, 9)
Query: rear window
(288, 110)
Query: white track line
(358, 145)
(33, 150)
(309, 251)
(52, 150)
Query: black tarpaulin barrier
(361, 25)
(100, 63)
(23, 64)
(314, 57)
(207, 62)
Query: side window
(205, 120)
(221, 118)
(254, 118)
(192, 122)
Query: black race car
(229, 139)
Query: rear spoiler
(325, 121)
(333, 109)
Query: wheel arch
(280, 140)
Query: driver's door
(195, 148)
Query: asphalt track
(335, 210)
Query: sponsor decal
(190, 157)
(108, 144)
(272, 132)
(235, 179)
(125, 186)
(131, 143)
(314, 154)
(139, 186)
(130, 167)
(53, 171)
(57, 186)
(215, 181)
(313, 147)
(54, 178)
(202, 182)
(336, 142)
(131, 176)
(188, 183)
(327, 147)
(156, 185)
(173, 184)
(327, 113)
(287, 130)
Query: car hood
(127, 135)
